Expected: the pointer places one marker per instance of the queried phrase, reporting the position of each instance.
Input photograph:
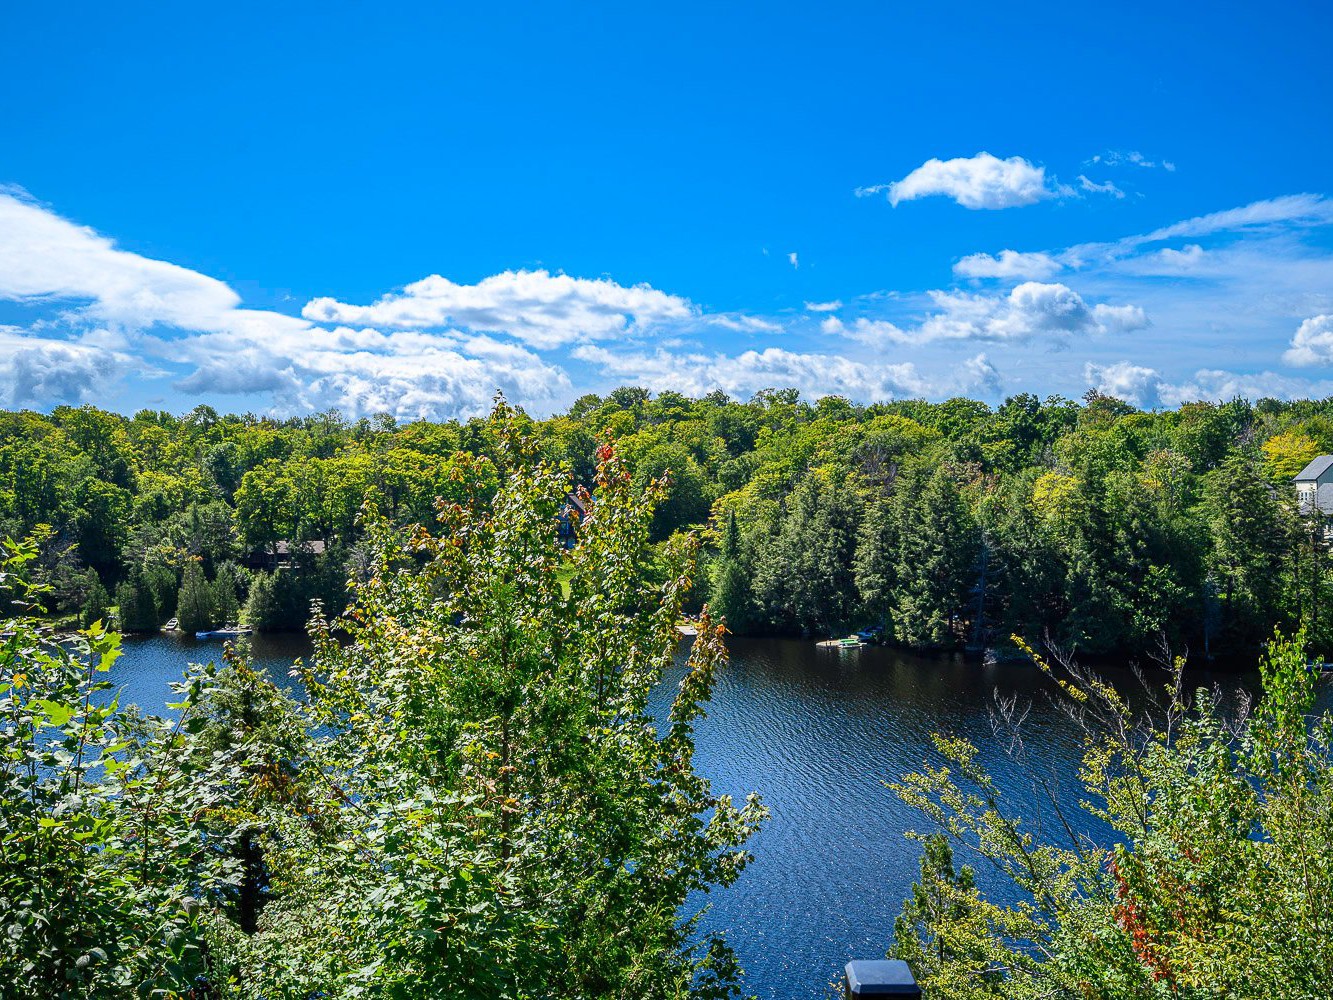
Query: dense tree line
(1102, 526)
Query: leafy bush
(100, 864)
(1218, 881)
(472, 801)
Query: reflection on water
(817, 733)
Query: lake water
(816, 732)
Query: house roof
(1314, 470)
(286, 548)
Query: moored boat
(227, 632)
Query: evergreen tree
(138, 610)
(877, 559)
(731, 596)
(1251, 533)
(937, 555)
(96, 606)
(225, 605)
(194, 606)
(804, 578)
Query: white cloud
(116, 308)
(823, 307)
(1289, 212)
(1214, 384)
(1146, 387)
(1009, 264)
(813, 374)
(871, 332)
(1312, 343)
(983, 376)
(42, 372)
(1104, 188)
(793, 260)
(743, 324)
(1116, 158)
(1132, 383)
(1184, 259)
(44, 257)
(1030, 310)
(542, 309)
(977, 182)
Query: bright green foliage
(731, 598)
(1288, 453)
(224, 604)
(1216, 883)
(473, 801)
(1105, 527)
(99, 864)
(499, 815)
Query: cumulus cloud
(793, 259)
(981, 375)
(42, 372)
(1312, 343)
(1147, 387)
(545, 310)
(1031, 310)
(742, 374)
(1132, 383)
(424, 352)
(1009, 264)
(977, 182)
(824, 307)
(1214, 384)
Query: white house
(1314, 486)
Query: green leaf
(57, 713)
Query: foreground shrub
(1217, 880)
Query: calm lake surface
(816, 732)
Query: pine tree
(194, 606)
(225, 605)
(1251, 536)
(96, 607)
(138, 610)
(803, 579)
(876, 560)
(732, 597)
(937, 553)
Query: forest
(1089, 525)
(468, 794)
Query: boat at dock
(849, 642)
(229, 632)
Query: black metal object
(881, 978)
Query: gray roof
(1314, 470)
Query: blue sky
(402, 208)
